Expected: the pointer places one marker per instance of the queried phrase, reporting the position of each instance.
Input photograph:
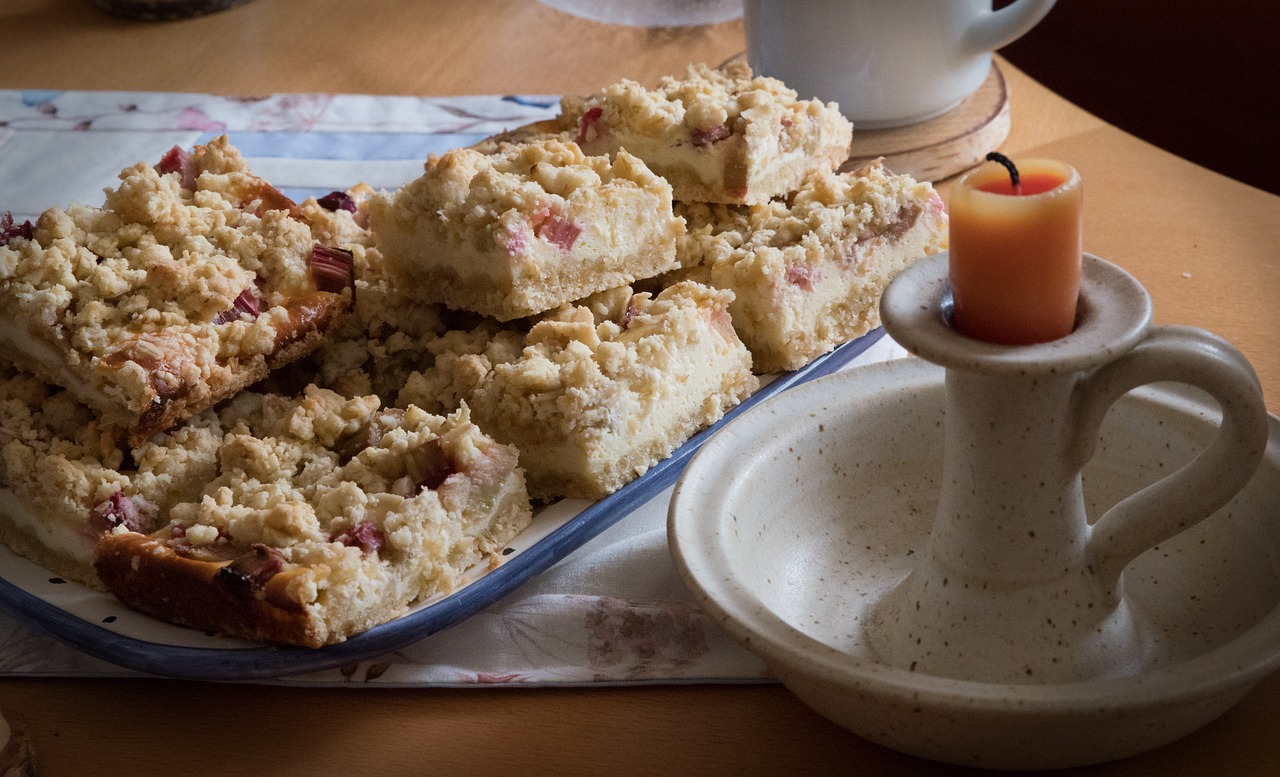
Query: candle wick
(1008, 164)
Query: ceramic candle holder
(1016, 585)
(999, 556)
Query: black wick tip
(1001, 159)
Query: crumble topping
(190, 276)
(487, 199)
(702, 100)
(716, 135)
(829, 206)
(526, 229)
(594, 394)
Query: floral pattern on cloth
(651, 640)
(59, 147)
(297, 112)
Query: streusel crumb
(525, 230)
(193, 280)
(327, 516)
(807, 271)
(716, 135)
(594, 394)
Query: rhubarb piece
(427, 466)
(595, 394)
(65, 481)
(246, 303)
(299, 540)
(589, 125)
(719, 136)
(525, 229)
(555, 228)
(10, 230)
(705, 137)
(250, 573)
(338, 201)
(179, 160)
(366, 536)
(118, 510)
(807, 272)
(332, 268)
(169, 298)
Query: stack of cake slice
(291, 421)
(133, 457)
(714, 192)
(593, 383)
(805, 250)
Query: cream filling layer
(60, 538)
(49, 363)
(695, 387)
(707, 167)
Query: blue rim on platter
(257, 661)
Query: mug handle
(1192, 493)
(992, 30)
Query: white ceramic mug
(886, 62)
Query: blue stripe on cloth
(345, 145)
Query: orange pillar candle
(1015, 252)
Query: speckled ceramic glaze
(985, 560)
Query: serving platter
(99, 625)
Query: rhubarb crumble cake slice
(596, 393)
(327, 516)
(65, 481)
(524, 230)
(807, 271)
(716, 135)
(192, 281)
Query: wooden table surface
(1206, 247)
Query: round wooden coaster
(944, 145)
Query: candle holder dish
(981, 557)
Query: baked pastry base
(328, 517)
(595, 394)
(524, 230)
(720, 136)
(807, 272)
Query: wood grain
(945, 145)
(386, 47)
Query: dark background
(1199, 79)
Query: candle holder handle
(1187, 496)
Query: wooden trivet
(944, 145)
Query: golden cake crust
(807, 271)
(192, 281)
(525, 229)
(596, 393)
(717, 135)
(328, 516)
